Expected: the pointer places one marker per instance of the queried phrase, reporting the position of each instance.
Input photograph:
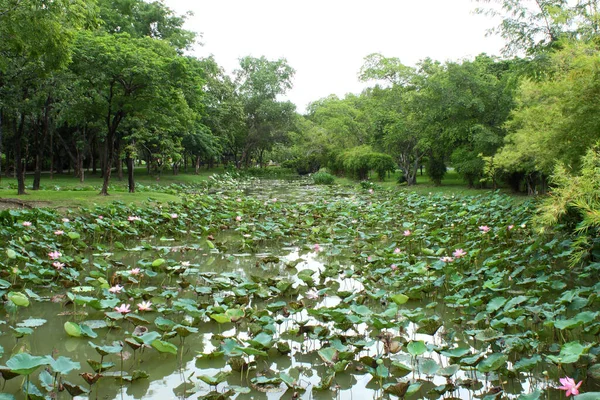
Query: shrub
(436, 169)
(323, 178)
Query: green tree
(556, 119)
(129, 77)
(36, 41)
(260, 82)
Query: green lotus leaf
(164, 347)
(262, 340)
(416, 348)
(537, 395)
(221, 318)
(448, 371)
(18, 299)
(64, 365)
(72, 329)
(25, 364)
(329, 355)
(399, 298)
(215, 379)
(492, 363)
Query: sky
(326, 41)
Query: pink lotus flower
(144, 306)
(238, 200)
(100, 217)
(569, 385)
(510, 227)
(123, 309)
(484, 228)
(185, 263)
(238, 218)
(394, 267)
(59, 233)
(446, 259)
(397, 250)
(174, 215)
(65, 220)
(26, 223)
(312, 294)
(134, 271)
(133, 218)
(58, 265)
(116, 289)
(274, 200)
(407, 232)
(371, 191)
(458, 253)
(317, 248)
(54, 255)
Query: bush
(323, 178)
(358, 161)
(436, 169)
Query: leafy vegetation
(346, 284)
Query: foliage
(323, 178)
(465, 264)
(358, 161)
(575, 204)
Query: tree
(260, 82)
(557, 119)
(151, 19)
(128, 77)
(36, 41)
(533, 26)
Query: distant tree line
(102, 85)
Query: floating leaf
(32, 323)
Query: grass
(65, 191)
(452, 184)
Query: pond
(280, 290)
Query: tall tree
(260, 83)
(36, 40)
(126, 77)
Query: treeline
(509, 120)
(102, 85)
(96, 85)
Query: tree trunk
(108, 158)
(19, 170)
(0, 145)
(197, 170)
(130, 179)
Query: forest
(100, 87)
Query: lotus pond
(269, 290)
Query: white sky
(325, 41)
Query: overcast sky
(325, 41)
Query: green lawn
(452, 184)
(66, 191)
